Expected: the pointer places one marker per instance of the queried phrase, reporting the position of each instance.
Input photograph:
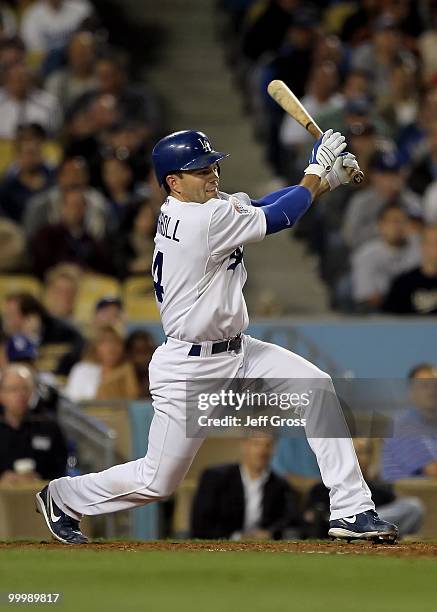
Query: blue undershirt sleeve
(285, 209)
(270, 198)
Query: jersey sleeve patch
(240, 207)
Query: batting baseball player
(199, 274)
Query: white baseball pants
(170, 453)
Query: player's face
(195, 185)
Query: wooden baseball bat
(286, 99)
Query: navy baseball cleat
(363, 526)
(63, 527)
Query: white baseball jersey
(198, 268)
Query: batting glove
(325, 152)
(342, 170)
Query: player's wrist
(316, 170)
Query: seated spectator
(45, 208)
(78, 76)
(109, 311)
(59, 343)
(20, 350)
(134, 248)
(48, 24)
(406, 512)
(121, 192)
(140, 347)
(132, 103)
(29, 174)
(424, 169)
(61, 289)
(386, 183)
(412, 451)
(30, 447)
(415, 292)
(384, 50)
(266, 32)
(104, 373)
(13, 248)
(430, 203)
(21, 102)
(69, 241)
(399, 107)
(377, 262)
(246, 500)
(8, 22)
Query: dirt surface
(410, 549)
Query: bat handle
(358, 177)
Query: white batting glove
(342, 170)
(325, 152)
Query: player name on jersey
(168, 227)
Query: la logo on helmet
(205, 145)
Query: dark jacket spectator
(29, 174)
(59, 343)
(31, 447)
(415, 292)
(227, 496)
(133, 248)
(69, 241)
(267, 31)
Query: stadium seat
(18, 519)
(116, 417)
(139, 299)
(13, 283)
(92, 288)
(426, 490)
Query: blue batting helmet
(186, 150)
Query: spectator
(140, 347)
(31, 447)
(48, 24)
(134, 248)
(69, 241)
(412, 451)
(59, 343)
(382, 53)
(20, 350)
(415, 292)
(61, 291)
(266, 32)
(399, 107)
(109, 311)
(8, 22)
(21, 102)
(246, 500)
(45, 208)
(78, 76)
(358, 26)
(424, 169)
(377, 262)
(13, 250)
(29, 174)
(386, 184)
(119, 187)
(104, 373)
(132, 103)
(12, 51)
(405, 512)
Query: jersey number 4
(157, 275)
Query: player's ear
(173, 180)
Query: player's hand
(325, 152)
(342, 171)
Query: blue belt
(234, 344)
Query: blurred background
(86, 89)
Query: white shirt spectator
(44, 28)
(376, 264)
(38, 107)
(253, 498)
(83, 381)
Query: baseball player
(199, 274)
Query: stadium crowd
(367, 69)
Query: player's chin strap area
(224, 346)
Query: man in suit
(245, 500)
